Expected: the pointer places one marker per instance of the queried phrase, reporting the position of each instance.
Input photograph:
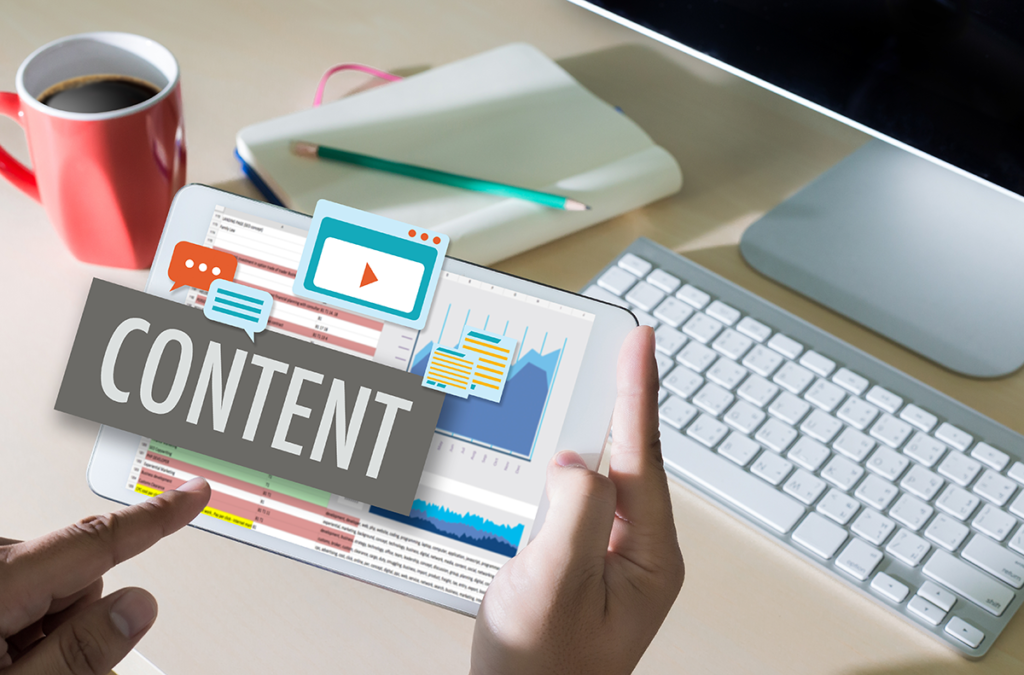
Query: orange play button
(368, 276)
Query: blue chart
(511, 424)
(465, 527)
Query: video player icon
(368, 276)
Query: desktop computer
(906, 495)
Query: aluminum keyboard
(902, 492)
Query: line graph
(468, 528)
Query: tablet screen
(484, 477)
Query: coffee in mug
(98, 93)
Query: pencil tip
(573, 205)
(303, 149)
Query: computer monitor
(919, 234)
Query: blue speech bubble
(239, 306)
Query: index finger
(63, 562)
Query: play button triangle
(368, 276)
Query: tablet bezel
(585, 428)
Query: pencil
(305, 149)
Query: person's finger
(95, 640)
(645, 525)
(66, 561)
(579, 517)
(66, 608)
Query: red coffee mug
(105, 179)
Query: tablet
(481, 495)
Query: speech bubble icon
(199, 266)
(239, 306)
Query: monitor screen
(943, 76)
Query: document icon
(450, 371)
(494, 355)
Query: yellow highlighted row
(219, 515)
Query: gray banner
(289, 408)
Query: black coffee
(98, 93)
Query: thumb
(95, 640)
(580, 514)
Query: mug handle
(10, 168)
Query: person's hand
(588, 594)
(52, 617)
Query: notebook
(509, 115)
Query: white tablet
(481, 496)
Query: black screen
(944, 76)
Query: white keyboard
(900, 491)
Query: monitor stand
(923, 255)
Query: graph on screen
(468, 528)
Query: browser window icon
(370, 265)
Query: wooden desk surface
(748, 606)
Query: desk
(748, 606)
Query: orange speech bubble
(199, 266)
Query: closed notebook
(509, 115)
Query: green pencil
(304, 149)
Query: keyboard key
(616, 281)
(922, 483)
(857, 413)
(854, 444)
(937, 595)
(771, 467)
(682, 381)
(997, 459)
(696, 357)
(664, 363)
(911, 512)
(693, 296)
(730, 483)
(757, 390)
(924, 449)
(965, 632)
(789, 408)
(723, 312)
(884, 399)
(921, 419)
(635, 264)
(996, 560)
(793, 377)
(993, 522)
(957, 502)
(645, 296)
(668, 340)
(662, 394)
(739, 448)
(994, 487)
(713, 399)
(908, 547)
(676, 412)
(602, 294)
(821, 426)
(1017, 541)
(1016, 472)
(754, 329)
(841, 472)
(817, 363)
(838, 506)
(763, 361)
(673, 312)
(946, 532)
(707, 430)
(969, 582)
(887, 463)
(664, 280)
(776, 435)
(959, 468)
(825, 395)
(859, 559)
(891, 431)
(732, 344)
(727, 373)
(804, 486)
(873, 526)
(744, 416)
(959, 439)
(785, 345)
(850, 381)
(877, 492)
(808, 453)
(888, 587)
(821, 537)
(702, 328)
(926, 611)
